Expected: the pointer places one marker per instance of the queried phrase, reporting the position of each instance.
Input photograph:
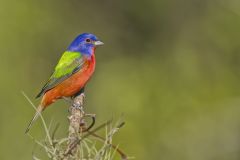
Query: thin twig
(85, 136)
(43, 121)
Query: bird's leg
(68, 99)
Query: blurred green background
(171, 67)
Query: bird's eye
(88, 40)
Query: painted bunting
(72, 72)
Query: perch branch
(76, 120)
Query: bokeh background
(171, 67)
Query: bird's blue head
(85, 43)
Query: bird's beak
(98, 43)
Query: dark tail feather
(35, 117)
(40, 93)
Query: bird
(71, 74)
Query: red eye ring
(88, 40)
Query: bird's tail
(35, 117)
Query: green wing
(69, 63)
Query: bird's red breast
(72, 85)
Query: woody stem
(76, 120)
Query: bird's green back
(69, 63)
(66, 64)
